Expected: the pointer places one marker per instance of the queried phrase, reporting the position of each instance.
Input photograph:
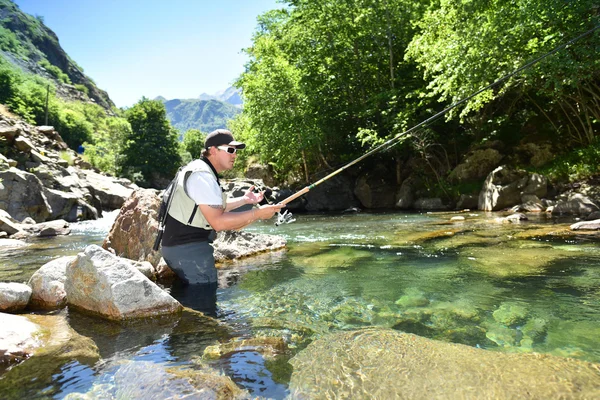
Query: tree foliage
(150, 151)
(193, 142)
(326, 80)
(465, 45)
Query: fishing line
(391, 142)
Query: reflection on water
(529, 287)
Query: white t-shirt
(202, 187)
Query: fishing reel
(284, 218)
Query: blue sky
(172, 48)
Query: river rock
(505, 187)
(575, 203)
(109, 286)
(231, 245)
(50, 228)
(21, 195)
(376, 188)
(48, 284)
(41, 344)
(14, 296)
(382, 363)
(134, 230)
(17, 338)
(476, 165)
(586, 226)
(335, 194)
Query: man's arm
(222, 220)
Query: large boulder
(135, 228)
(506, 187)
(48, 284)
(111, 191)
(335, 194)
(377, 188)
(101, 283)
(21, 195)
(476, 165)
(383, 363)
(574, 203)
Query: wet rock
(54, 344)
(412, 298)
(505, 187)
(376, 188)
(50, 228)
(510, 314)
(14, 296)
(48, 285)
(405, 197)
(575, 203)
(17, 338)
(513, 218)
(335, 194)
(429, 204)
(467, 201)
(231, 245)
(149, 380)
(476, 165)
(109, 286)
(266, 346)
(379, 363)
(586, 226)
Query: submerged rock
(381, 363)
(48, 338)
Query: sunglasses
(230, 150)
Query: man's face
(224, 157)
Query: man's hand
(253, 198)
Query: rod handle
(296, 195)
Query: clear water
(525, 287)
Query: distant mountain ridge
(205, 115)
(230, 95)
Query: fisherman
(198, 210)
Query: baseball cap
(220, 137)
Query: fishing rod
(287, 217)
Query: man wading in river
(198, 209)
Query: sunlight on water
(510, 288)
(19, 263)
(530, 287)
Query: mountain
(31, 46)
(204, 115)
(230, 95)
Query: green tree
(193, 142)
(321, 72)
(150, 153)
(465, 45)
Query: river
(531, 286)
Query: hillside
(204, 115)
(34, 48)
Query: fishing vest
(183, 208)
